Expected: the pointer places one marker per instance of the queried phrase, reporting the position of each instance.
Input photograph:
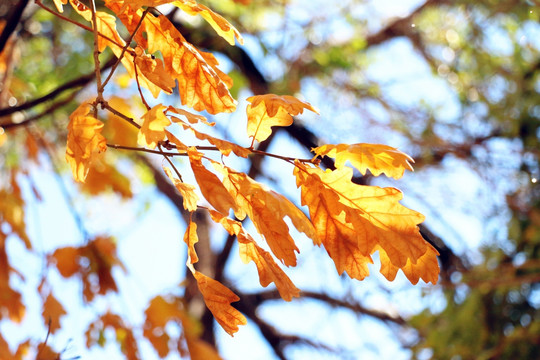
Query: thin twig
(105, 105)
(170, 162)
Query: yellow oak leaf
(103, 177)
(153, 70)
(84, 141)
(199, 84)
(152, 130)
(180, 146)
(187, 191)
(191, 238)
(52, 311)
(425, 268)
(218, 299)
(267, 210)
(353, 220)
(191, 118)
(267, 268)
(211, 187)
(375, 157)
(117, 130)
(106, 25)
(270, 110)
(220, 25)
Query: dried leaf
(425, 268)
(211, 187)
(218, 298)
(84, 141)
(191, 238)
(270, 110)
(67, 260)
(186, 190)
(153, 70)
(353, 221)
(153, 127)
(103, 177)
(53, 311)
(220, 25)
(117, 130)
(375, 157)
(267, 209)
(199, 85)
(59, 5)
(267, 268)
(224, 146)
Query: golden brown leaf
(103, 177)
(199, 84)
(59, 5)
(52, 311)
(191, 238)
(12, 212)
(67, 260)
(218, 298)
(267, 268)
(425, 268)
(191, 118)
(270, 110)
(211, 187)
(354, 220)
(186, 190)
(267, 209)
(153, 127)
(375, 157)
(84, 141)
(220, 25)
(106, 25)
(224, 146)
(117, 130)
(124, 334)
(153, 70)
(201, 350)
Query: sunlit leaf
(84, 141)
(52, 311)
(191, 238)
(152, 130)
(375, 157)
(270, 110)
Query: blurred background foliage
(456, 84)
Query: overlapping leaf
(191, 238)
(106, 26)
(270, 110)
(267, 209)
(267, 268)
(353, 221)
(199, 84)
(375, 157)
(190, 198)
(152, 130)
(84, 141)
(218, 299)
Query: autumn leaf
(117, 130)
(191, 238)
(375, 157)
(84, 141)
(124, 334)
(106, 26)
(12, 212)
(218, 298)
(199, 84)
(3, 136)
(352, 220)
(211, 187)
(425, 268)
(158, 313)
(103, 177)
(220, 25)
(52, 311)
(10, 300)
(152, 68)
(59, 5)
(267, 209)
(270, 110)
(267, 268)
(152, 130)
(191, 118)
(187, 191)
(67, 260)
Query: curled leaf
(375, 157)
(153, 127)
(84, 141)
(270, 110)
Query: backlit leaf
(153, 70)
(353, 221)
(152, 130)
(53, 311)
(425, 268)
(218, 298)
(191, 238)
(103, 177)
(84, 141)
(270, 110)
(375, 157)
(220, 25)
(187, 191)
(211, 187)
(267, 209)
(224, 146)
